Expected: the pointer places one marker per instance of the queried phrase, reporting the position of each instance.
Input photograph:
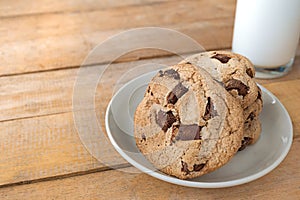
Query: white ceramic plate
(250, 164)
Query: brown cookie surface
(236, 74)
(251, 133)
(187, 124)
(233, 71)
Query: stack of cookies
(197, 114)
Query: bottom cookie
(252, 132)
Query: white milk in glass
(267, 31)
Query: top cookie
(233, 71)
(187, 124)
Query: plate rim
(197, 184)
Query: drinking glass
(267, 32)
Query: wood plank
(49, 141)
(27, 7)
(282, 183)
(285, 91)
(38, 94)
(119, 18)
(45, 146)
(60, 52)
(40, 43)
(38, 137)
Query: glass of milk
(267, 32)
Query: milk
(267, 31)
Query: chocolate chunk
(189, 132)
(207, 114)
(250, 117)
(184, 167)
(176, 93)
(234, 84)
(143, 137)
(198, 167)
(250, 72)
(160, 73)
(171, 98)
(245, 142)
(209, 110)
(170, 73)
(259, 94)
(165, 119)
(149, 91)
(188, 63)
(222, 58)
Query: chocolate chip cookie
(187, 124)
(235, 73)
(252, 132)
(252, 125)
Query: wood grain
(285, 92)
(40, 104)
(37, 112)
(51, 92)
(47, 146)
(282, 183)
(42, 46)
(27, 7)
(61, 40)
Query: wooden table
(43, 44)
